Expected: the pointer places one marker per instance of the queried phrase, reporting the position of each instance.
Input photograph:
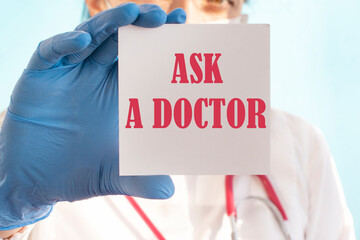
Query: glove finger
(177, 15)
(103, 25)
(150, 15)
(50, 51)
(152, 187)
(107, 52)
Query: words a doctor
(59, 144)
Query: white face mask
(241, 19)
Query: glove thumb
(152, 187)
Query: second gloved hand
(59, 139)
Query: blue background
(315, 64)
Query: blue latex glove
(59, 140)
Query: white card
(194, 99)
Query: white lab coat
(302, 172)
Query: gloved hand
(59, 140)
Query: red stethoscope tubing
(270, 192)
(230, 203)
(272, 195)
(229, 194)
(146, 219)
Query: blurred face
(198, 11)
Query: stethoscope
(272, 202)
